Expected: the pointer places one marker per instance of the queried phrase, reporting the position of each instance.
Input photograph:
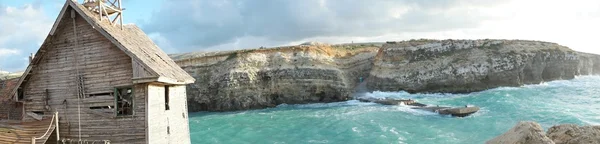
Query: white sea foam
(557, 102)
(355, 129)
(318, 141)
(325, 105)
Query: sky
(179, 26)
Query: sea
(575, 101)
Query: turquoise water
(569, 101)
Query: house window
(38, 112)
(167, 98)
(124, 101)
(99, 94)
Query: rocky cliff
(461, 66)
(259, 78)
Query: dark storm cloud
(205, 23)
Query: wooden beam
(100, 6)
(106, 13)
(121, 14)
(58, 19)
(113, 3)
(115, 20)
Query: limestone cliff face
(250, 79)
(460, 66)
(259, 78)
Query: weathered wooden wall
(10, 110)
(103, 67)
(175, 119)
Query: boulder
(523, 133)
(573, 134)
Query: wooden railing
(48, 132)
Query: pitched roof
(133, 41)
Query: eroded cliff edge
(462, 66)
(259, 78)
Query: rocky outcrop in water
(574, 134)
(523, 133)
(316, 72)
(462, 66)
(259, 78)
(532, 133)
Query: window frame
(116, 96)
(167, 98)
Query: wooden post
(57, 130)
(32, 140)
(100, 8)
(120, 14)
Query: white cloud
(22, 29)
(191, 24)
(241, 24)
(571, 23)
(5, 51)
(23, 24)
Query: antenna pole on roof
(109, 9)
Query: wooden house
(9, 109)
(108, 82)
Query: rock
(389, 101)
(459, 111)
(523, 133)
(463, 66)
(531, 132)
(573, 134)
(313, 43)
(260, 78)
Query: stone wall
(167, 123)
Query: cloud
(22, 29)
(208, 25)
(5, 51)
(191, 25)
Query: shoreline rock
(530, 132)
(523, 133)
(574, 134)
